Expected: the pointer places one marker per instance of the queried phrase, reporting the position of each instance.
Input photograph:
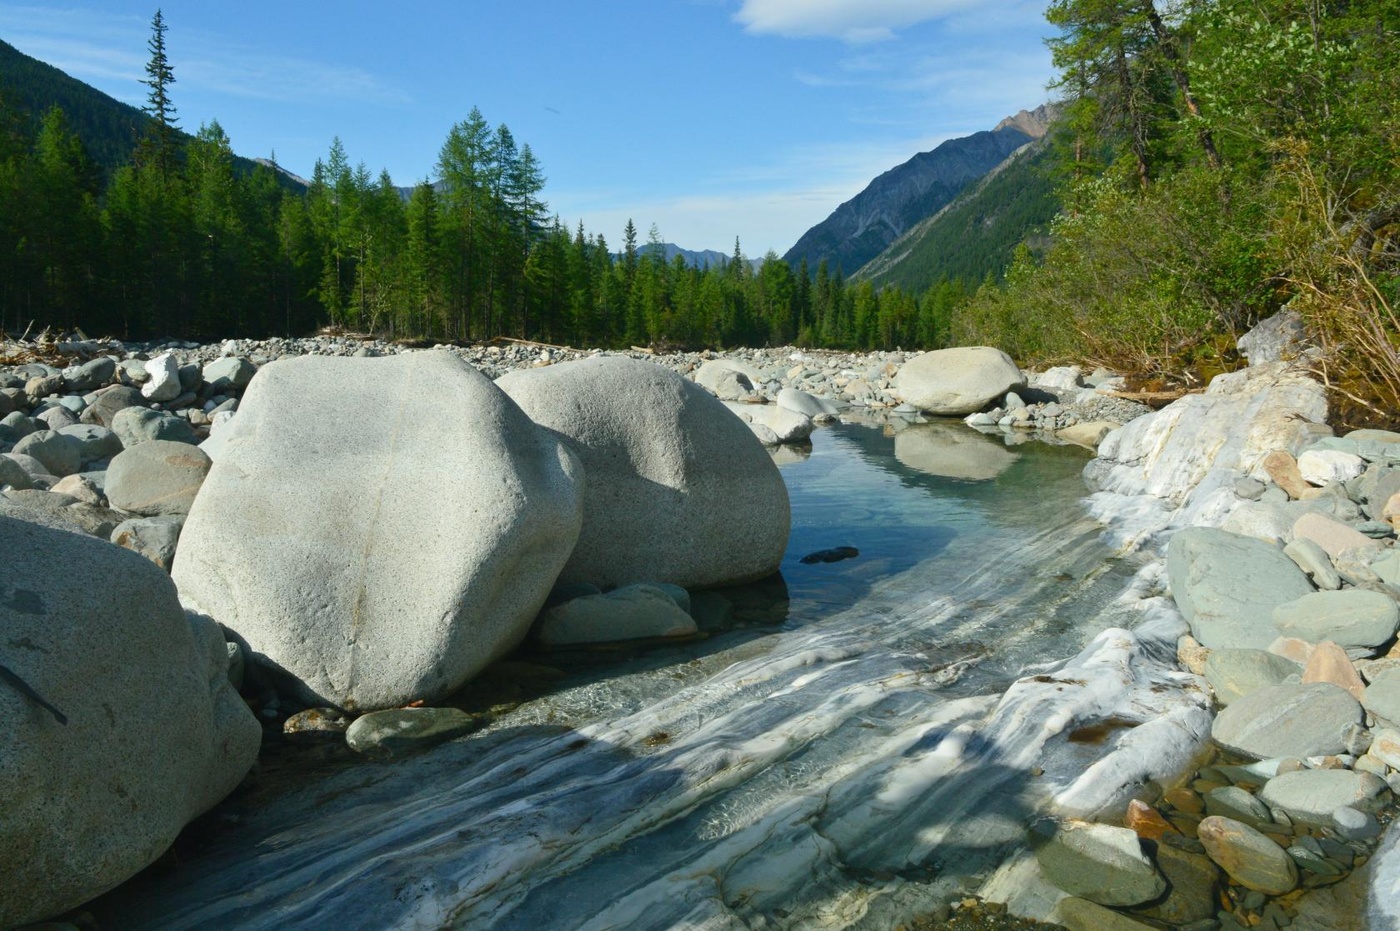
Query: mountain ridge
(896, 200)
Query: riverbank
(1194, 464)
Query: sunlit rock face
(380, 529)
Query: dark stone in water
(835, 554)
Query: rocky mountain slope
(868, 223)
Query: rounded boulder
(958, 381)
(379, 528)
(679, 489)
(117, 721)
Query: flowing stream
(835, 754)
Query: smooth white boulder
(679, 490)
(117, 721)
(164, 381)
(782, 424)
(382, 529)
(957, 381)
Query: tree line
(182, 242)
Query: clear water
(811, 762)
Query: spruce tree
(161, 142)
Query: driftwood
(1154, 399)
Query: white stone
(1325, 466)
(398, 540)
(151, 732)
(163, 383)
(679, 490)
(957, 381)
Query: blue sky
(708, 118)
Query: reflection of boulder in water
(761, 602)
(952, 451)
(790, 453)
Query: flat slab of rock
(1310, 796)
(1098, 862)
(1288, 720)
(629, 613)
(1235, 673)
(117, 721)
(1334, 536)
(1249, 857)
(679, 490)
(1225, 585)
(403, 536)
(958, 381)
(1382, 697)
(1351, 618)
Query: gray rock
(1194, 882)
(155, 538)
(38, 473)
(727, 379)
(1234, 673)
(1249, 857)
(163, 383)
(957, 381)
(1309, 796)
(393, 545)
(13, 474)
(1225, 585)
(135, 425)
(1098, 862)
(56, 417)
(95, 442)
(628, 613)
(1237, 804)
(1282, 336)
(61, 455)
(679, 490)
(157, 477)
(399, 732)
(80, 489)
(1314, 561)
(42, 386)
(1287, 720)
(15, 426)
(228, 374)
(104, 407)
(1078, 914)
(802, 403)
(1382, 697)
(91, 375)
(784, 425)
(1351, 618)
(1353, 824)
(1248, 488)
(99, 773)
(1334, 536)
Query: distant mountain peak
(1034, 123)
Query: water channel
(835, 751)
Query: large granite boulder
(1226, 584)
(957, 381)
(117, 721)
(382, 529)
(679, 490)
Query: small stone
(1353, 824)
(1314, 560)
(1183, 799)
(399, 732)
(1328, 466)
(1079, 914)
(1385, 747)
(1283, 469)
(628, 613)
(1312, 795)
(1238, 672)
(1330, 663)
(1237, 804)
(316, 722)
(1292, 648)
(1191, 654)
(1332, 535)
(1287, 720)
(1145, 821)
(1382, 697)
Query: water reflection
(952, 451)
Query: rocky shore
(1253, 793)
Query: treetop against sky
(708, 118)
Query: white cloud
(853, 21)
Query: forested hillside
(1222, 158)
(976, 236)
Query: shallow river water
(820, 759)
